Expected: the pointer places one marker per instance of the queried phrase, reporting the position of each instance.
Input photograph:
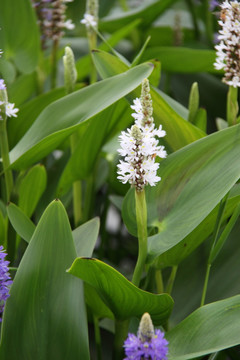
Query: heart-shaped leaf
(122, 297)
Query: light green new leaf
(85, 237)
(179, 131)
(122, 297)
(45, 313)
(23, 226)
(183, 60)
(19, 35)
(31, 189)
(64, 116)
(210, 328)
(194, 180)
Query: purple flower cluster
(154, 349)
(5, 280)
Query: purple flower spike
(148, 345)
(5, 280)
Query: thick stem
(232, 105)
(159, 281)
(54, 64)
(77, 188)
(121, 330)
(205, 284)
(141, 217)
(5, 158)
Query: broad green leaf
(19, 36)
(122, 297)
(182, 60)
(179, 131)
(210, 328)
(85, 237)
(22, 88)
(31, 188)
(64, 116)
(83, 160)
(29, 112)
(7, 71)
(148, 12)
(194, 180)
(46, 308)
(23, 226)
(184, 248)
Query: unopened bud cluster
(52, 19)
(139, 145)
(228, 51)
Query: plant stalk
(141, 217)
(5, 158)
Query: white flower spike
(89, 21)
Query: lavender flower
(213, 4)
(52, 19)
(5, 280)
(228, 52)
(149, 344)
(139, 145)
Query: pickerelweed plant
(140, 149)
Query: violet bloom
(148, 345)
(213, 4)
(5, 280)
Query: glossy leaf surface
(122, 297)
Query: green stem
(5, 158)
(88, 197)
(232, 105)
(121, 330)
(205, 284)
(208, 21)
(171, 279)
(141, 217)
(159, 281)
(194, 17)
(92, 42)
(124, 5)
(214, 242)
(97, 337)
(77, 188)
(54, 64)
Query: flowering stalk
(149, 344)
(90, 20)
(228, 55)
(52, 22)
(70, 78)
(140, 147)
(6, 110)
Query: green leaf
(85, 237)
(182, 60)
(31, 189)
(184, 248)
(147, 12)
(122, 297)
(83, 160)
(210, 328)
(194, 180)
(19, 36)
(67, 114)
(23, 226)
(46, 308)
